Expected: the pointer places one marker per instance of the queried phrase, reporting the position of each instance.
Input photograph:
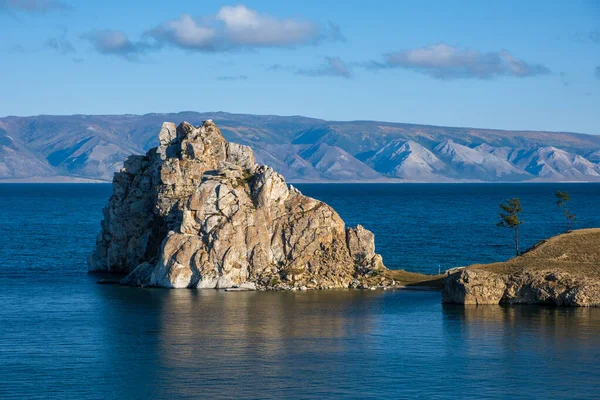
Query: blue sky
(509, 64)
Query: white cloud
(185, 32)
(117, 43)
(448, 62)
(112, 41)
(240, 27)
(245, 27)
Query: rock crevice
(198, 212)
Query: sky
(531, 65)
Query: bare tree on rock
(509, 218)
(562, 199)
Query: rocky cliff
(197, 212)
(562, 271)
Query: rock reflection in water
(558, 321)
(205, 338)
(113, 342)
(259, 322)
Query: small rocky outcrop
(197, 212)
(561, 271)
(551, 288)
(472, 286)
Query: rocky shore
(197, 212)
(561, 271)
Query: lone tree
(562, 198)
(509, 218)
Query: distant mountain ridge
(303, 149)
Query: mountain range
(93, 147)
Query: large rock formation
(561, 271)
(198, 212)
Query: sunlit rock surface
(197, 212)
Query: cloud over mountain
(442, 61)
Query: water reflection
(112, 342)
(519, 344)
(560, 320)
(217, 344)
(208, 339)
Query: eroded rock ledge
(197, 212)
(562, 271)
(472, 286)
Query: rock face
(197, 212)
(563, 270)
(472, 286)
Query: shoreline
(406, 280)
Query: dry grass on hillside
(415, 279)
(576, 252)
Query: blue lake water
(64, 336)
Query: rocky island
(561, 271)
(198, 212)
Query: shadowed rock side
(198, 212)
(562, 271)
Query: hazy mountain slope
(16, 161)
(594, 156)
(335, 164)
(363, 136)
(465, 162)
(94, 146)
(407, 160)
(285, 159)
(313, 163)
(549, 163)
(556, 164)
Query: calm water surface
(63, 336)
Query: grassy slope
(576, 252)
(416, 280)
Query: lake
(64, 336)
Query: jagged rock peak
(198, 212)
